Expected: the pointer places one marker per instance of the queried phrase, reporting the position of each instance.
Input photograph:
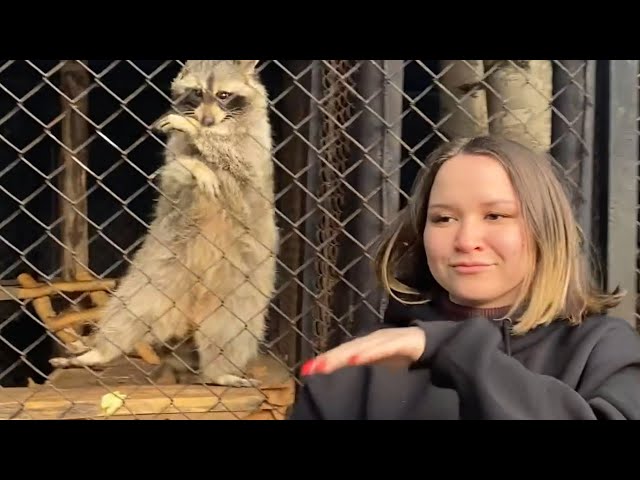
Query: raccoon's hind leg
(225, 349)
(215, 369)
(89, 359)
(125, 321)
(118, 336)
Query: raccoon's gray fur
(208, 264)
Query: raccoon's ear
(247, 66)
(175, 87)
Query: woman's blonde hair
(560, 283)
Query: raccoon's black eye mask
(196, 96)
(190, 100)
(230, 102)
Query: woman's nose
(468, 236)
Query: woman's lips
(470, 267)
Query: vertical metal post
(623, 183)
(311, 224)
(588, 131)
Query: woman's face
(475, 238)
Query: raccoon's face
(221, 95)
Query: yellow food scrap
(111, 402)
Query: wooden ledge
(77, 394)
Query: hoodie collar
(454, 311)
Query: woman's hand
(398, 347)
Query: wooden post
(464, 98)
(519, 100)
(75, 131)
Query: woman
(492, 314)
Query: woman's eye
(494, 216)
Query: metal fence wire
(79, 159)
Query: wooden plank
(82, 401)
(275, 414)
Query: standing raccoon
(207, 267)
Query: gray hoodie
(473, 368)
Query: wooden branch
(61, 324)
(38, 290)
(99, 298)
(44, 309)
(71, 319)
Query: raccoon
(180, 362)
(207, 267)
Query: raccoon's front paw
(176, 123)
(187, 171)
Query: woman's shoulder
(603, 325)
(604, 337)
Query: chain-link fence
(637, 225)
(79, 166)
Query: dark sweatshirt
(474, 368)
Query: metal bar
(307, 325)
(392, 150)
(586, 212)
(377, 179)
(622, 184)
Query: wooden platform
(77, 394)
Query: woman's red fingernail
(307, 368)
(313, 366)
